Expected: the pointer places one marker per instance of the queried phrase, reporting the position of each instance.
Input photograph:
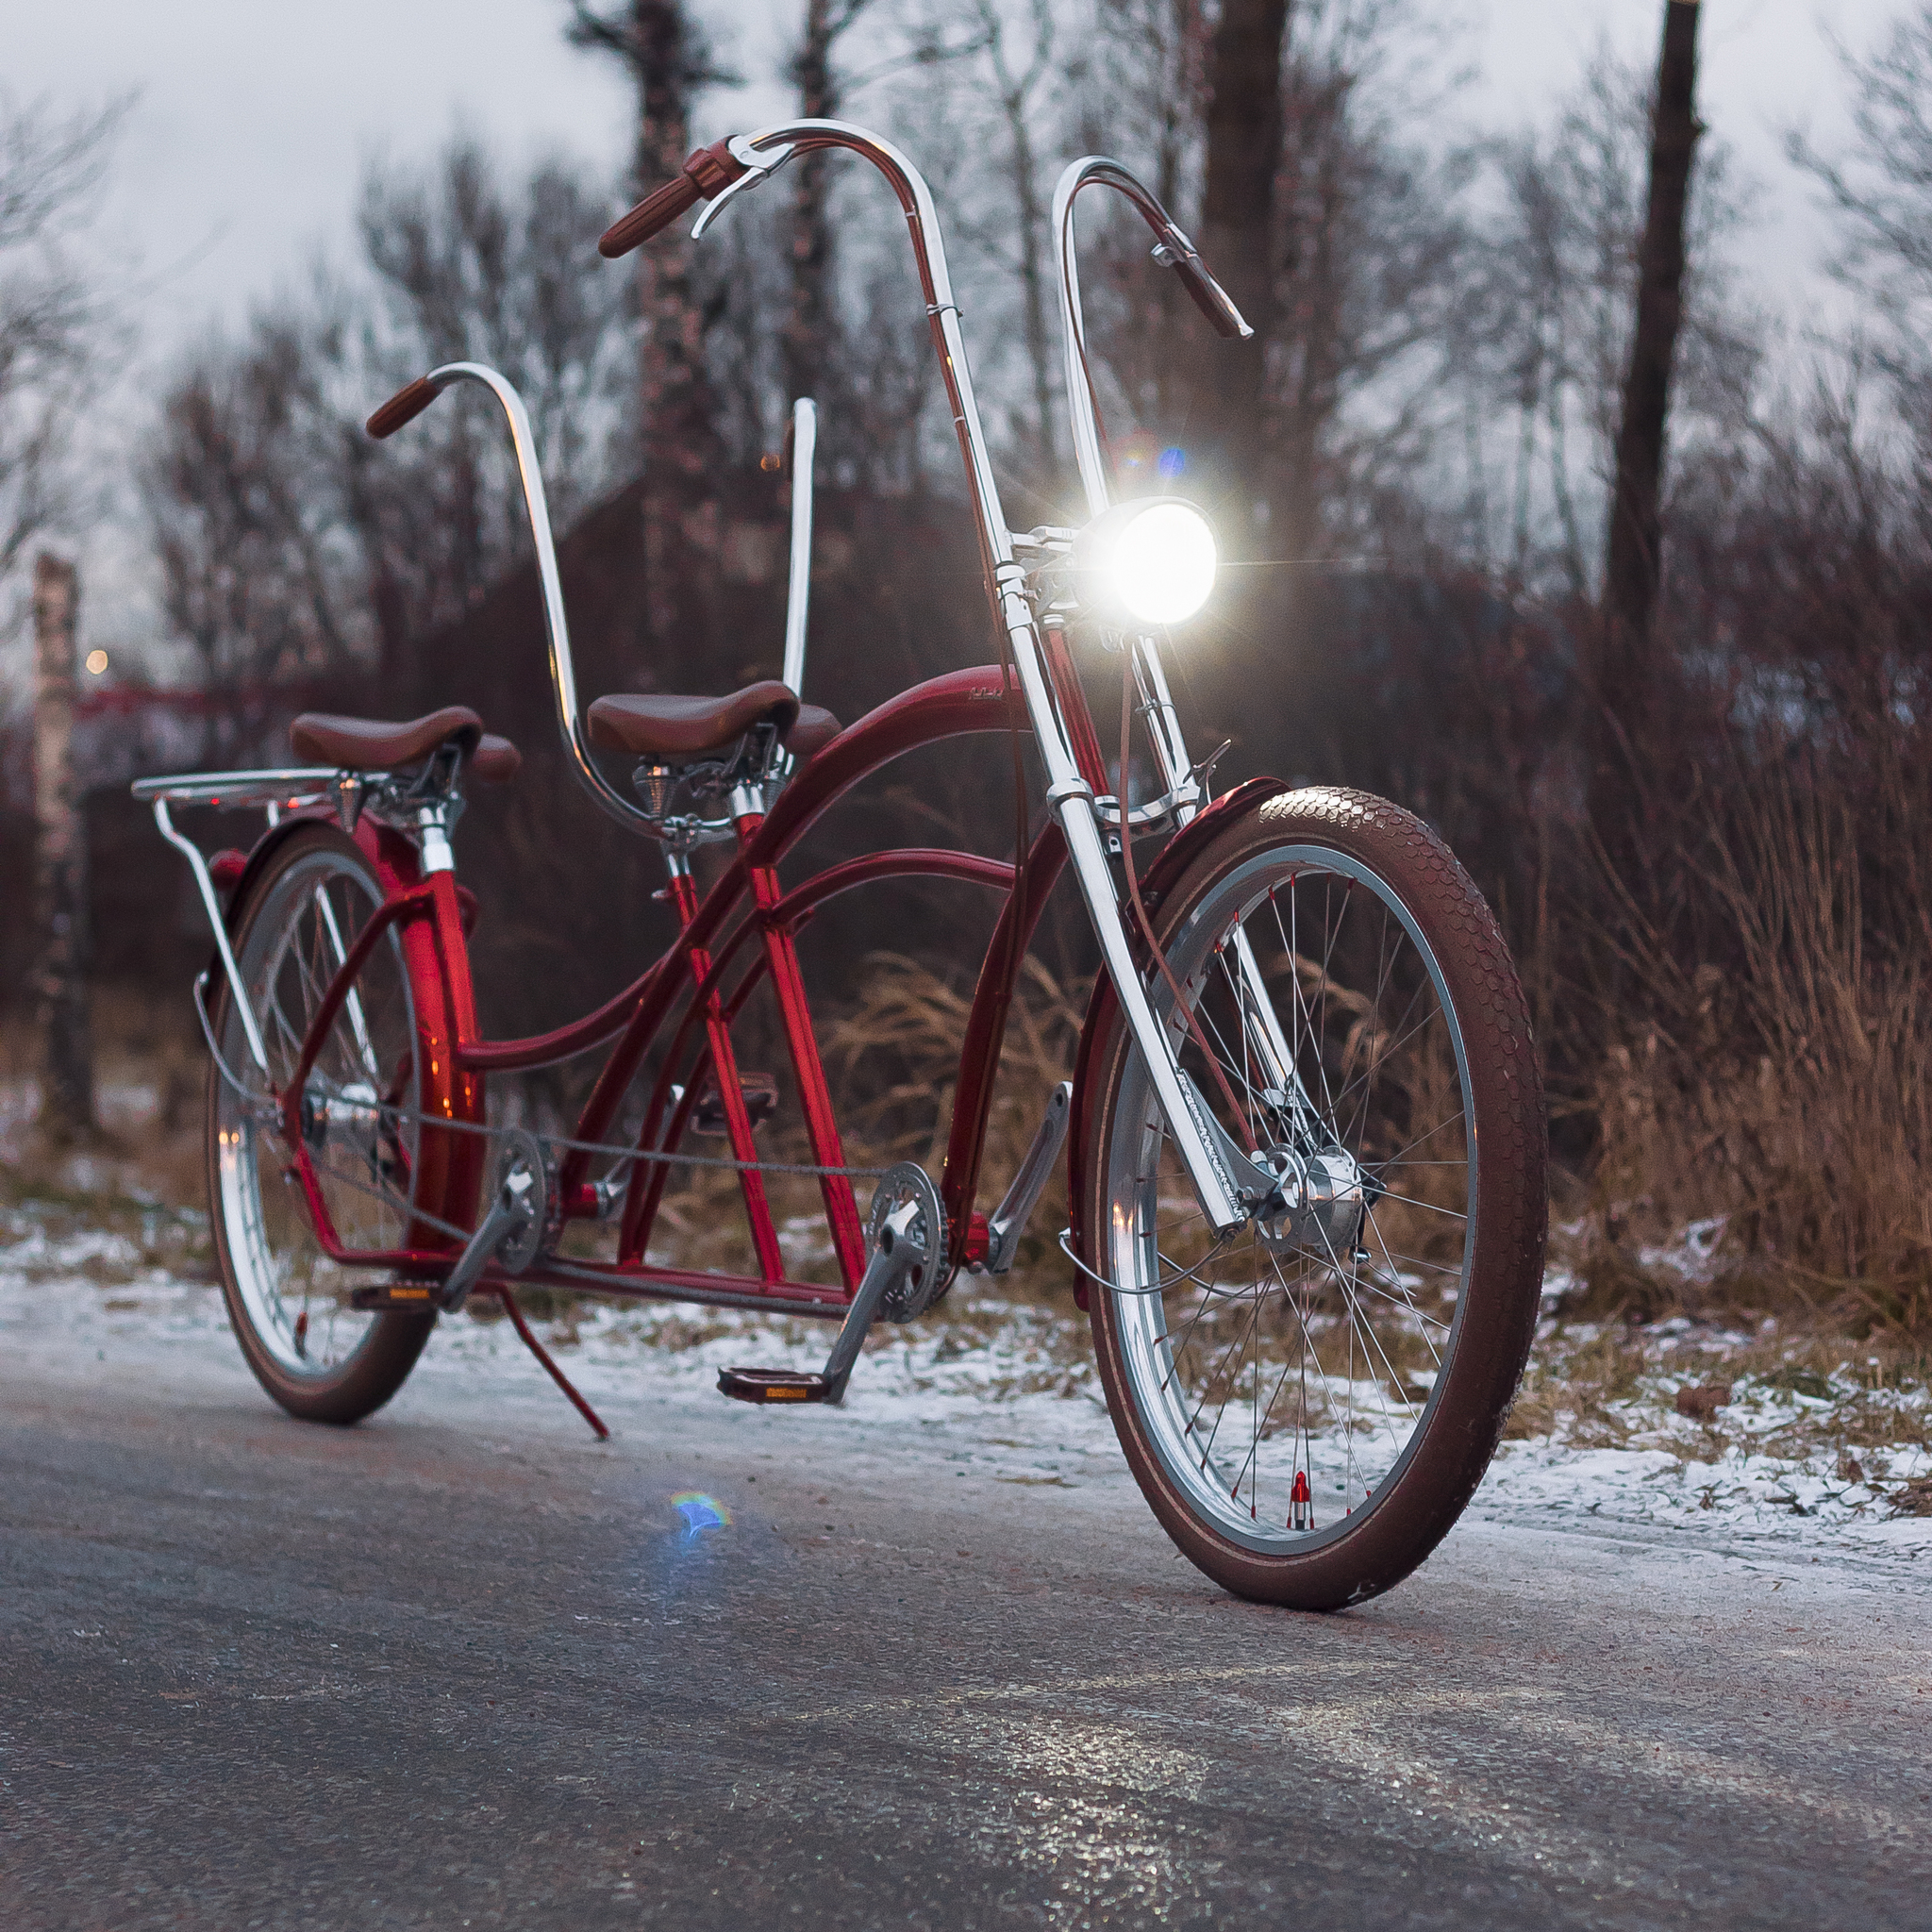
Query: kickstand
(502, 1292)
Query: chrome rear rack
(288, 788)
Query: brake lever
(757, 166)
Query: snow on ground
(1817, 1465)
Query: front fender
(1173, 859)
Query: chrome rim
(293, 1297)
(1284, 1384)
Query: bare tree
(49, 315)
(1148, 98)
(1633, 560)
(1238, 222)
(1539, 343)
(989, 112)
(60, 978)
(1881, 189)
(292, 548)
(812, 345)
(670, 58)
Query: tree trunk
(679, 438)
(67, 1094)
(812, 321)
(1237, 236)
(1627, 674)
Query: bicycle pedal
(412, 1295)
(772, 1384)
(761, 1092)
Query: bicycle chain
(653, 1157)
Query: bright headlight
(1147, 561)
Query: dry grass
(1782, 1096)
(146, 1154)
(895, 1057)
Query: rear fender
(259, 854)
(452, 1164)
(1159, 878)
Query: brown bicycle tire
(1497, 1316)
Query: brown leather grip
(1207, 298)
(404, 406)
(657, 209)
(706, 172)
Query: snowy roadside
(1795, 1464)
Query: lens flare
(700, 1512)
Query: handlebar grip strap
(707, 173)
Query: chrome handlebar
(1172, 249)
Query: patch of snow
(1014, 1381)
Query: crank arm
(1009, 1220)
(892, 1258)
(886, 1266)
(509, 1217)
(476, 1255)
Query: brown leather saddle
(675, 730)
(377, 744)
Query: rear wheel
(1309, 1404)
(289, 1304)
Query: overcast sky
(253, 120)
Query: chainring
(925, 1276)
(519, 1153)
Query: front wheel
(1309, 1404)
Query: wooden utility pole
(1626, 672)
(1237, 236)
(60, 983)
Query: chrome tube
(1163, 725)
(563, 681)
(304, 785)
(805, 442)
(1164, 732)
(212, 907)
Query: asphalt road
(463, 1667)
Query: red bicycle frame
(700, 983)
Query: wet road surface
(462, 1666)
